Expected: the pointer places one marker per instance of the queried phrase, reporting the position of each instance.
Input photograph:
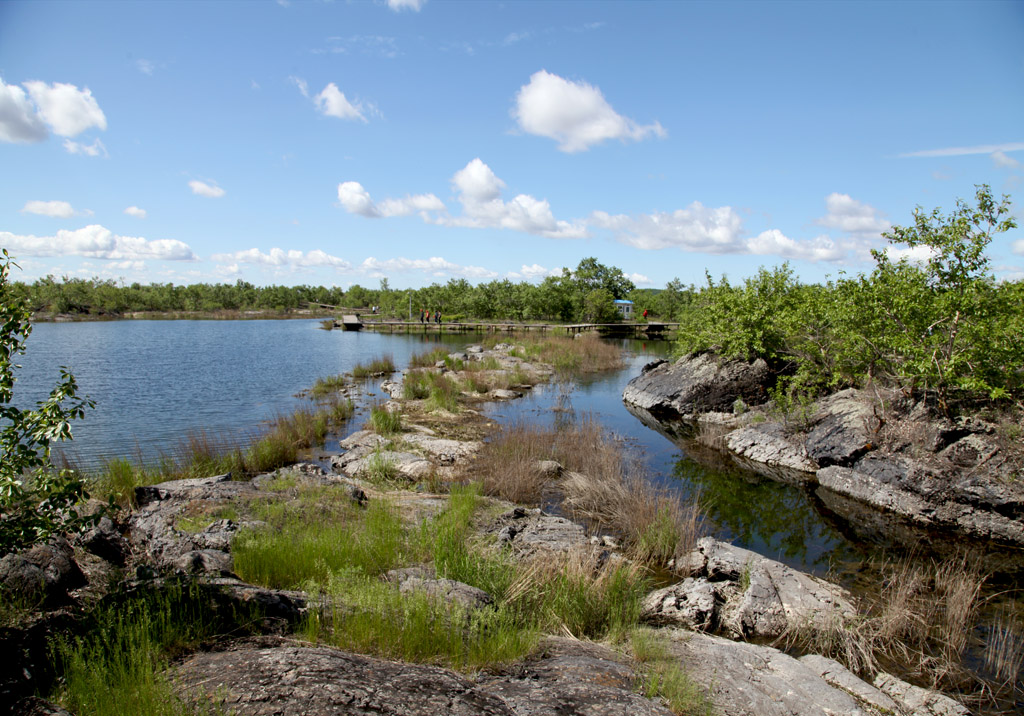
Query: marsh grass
(201, 454)
(116, 668)
(919, 622)
(328, 385)
(428, 359)
(1004, 651)
(383, 365)
(381, 470)
(439, 391)
(385, 422)
(664, 677)
(569, 357)
(601, 484)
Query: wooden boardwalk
(637, 330)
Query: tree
(36, 501)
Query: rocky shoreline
(888, 453)
(715, 621)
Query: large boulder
(44, 573)
(743, 595)
(696, 384)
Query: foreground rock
(742, 595)
(754, 680)
(264, 677)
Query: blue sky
(341, 142)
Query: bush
(36, 500)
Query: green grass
(300, 552)
(327, 386)
(381, 470)
(663, 676)
(384, 365)
(427, 359)
(341, 552)
(440, 391)
(116, 668)
(384, 421)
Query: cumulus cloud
(575, 114)
(434, 266)
(1018, 247)
(400, 5)
(95, 241)
(68, 110)
(281, 258)
(54, 209)
(534, 271)
(851, 216)
(639, 279)
(18, 119)
(136, 212)
(913, 254)
(356, 200)
(145, 66)
(479, 192)
(695, 228)
(713, 230)
(96, 149)
(201, 188)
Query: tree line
(585, 294)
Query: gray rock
(45, 572)
(743, 595)
(842, 433)
(445, 451)
(393, 388)
(549, 468)
(292, 680)
(695, 384)
(35, 706)
(918, 701)
(840, 677)
(978, 507)
(752, 680)
(105, 542)
(503, 394)
(204, 561)
(447, 590)
(196, 487)
(767, 443)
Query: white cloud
(774, 243)
(639, 279)
(211, 191)
(698, 228)
(480, 195)
(399, 5)
(54, 209)
(301, 84)
(575, 114)
(1004, 161)
(332, 103)
(145, 66)
(281, 258)
(96, 149)
(695, 228)
(479, 192)
(962, 151)
(535, 271)
(356, 200)
(1018, 247)
(68, 110)
(853, 217)
(18, 119)
(915, 255)
(434, 266)
(97, 242)
(136, 212)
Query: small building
(625, 309)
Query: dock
(625, 330)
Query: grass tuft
(384, 421)
(384, 365)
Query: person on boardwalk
(421, 315)
(437, 317)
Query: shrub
(36, 500)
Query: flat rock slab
(275, 677)
(293, 680)
(753, 680)
(531, 530)
(768, 444)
